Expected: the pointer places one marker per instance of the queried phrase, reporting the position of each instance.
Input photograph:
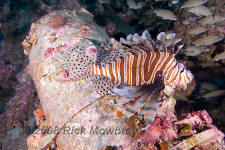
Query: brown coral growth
(57, 20)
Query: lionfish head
(185, 76)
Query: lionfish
(133, 69)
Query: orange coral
(40, 112)
(119, 114)
(39, 116)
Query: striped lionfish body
(143, 66)
(133, 64)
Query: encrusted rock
(64, 101)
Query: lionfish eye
(182, 71)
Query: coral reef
(7, 83)
(67, 91)
(16, 121)
(200, 27)
(196, 131)
(70, 96)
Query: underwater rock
(196, 130)
(13, 139)
(65, 101)
(161, 129)
(205, 134)
(20, 103)
(200, 118)
(97, 125)
(15, 119)
(6, 82)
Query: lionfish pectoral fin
(143, 103)
(146, 103)
(102, 85)
(135, 105)
(126, 94)
(150, 107)
(126, 90)
(133, 98)
(149, 110)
